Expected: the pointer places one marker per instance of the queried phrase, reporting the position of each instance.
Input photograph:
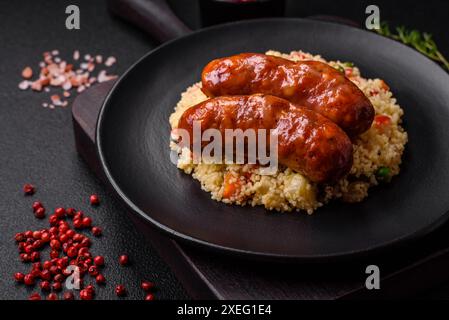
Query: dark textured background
(37, 144)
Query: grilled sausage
(308, 142)
(311, 84)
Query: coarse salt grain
(110, 61)
(90, 67)
(67, 85)
(56, 72)
(102, 76)
(25, 84)
(27, 73)
(36, 86)
(55, 99)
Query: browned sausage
(308, 142)
(312, 84)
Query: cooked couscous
(377, 156)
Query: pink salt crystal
(76, 55)
(25, 84)
(36, 86)
(110, 61)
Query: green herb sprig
(422, 42)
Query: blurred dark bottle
(220, 11)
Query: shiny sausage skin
(308, 142)
(311, 84)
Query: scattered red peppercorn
(82, 251)
(100, 279)
(37, 244)
(123, 260)
(70, 212)
(86, 294)
(21, 246)
(40, 213)
(54, 270)
(19, 237)
(68, 295)
(34, 296)
(147, 285)
(56, 286)
(54, 254)
(85, 242)
(45, 285)
(93, 271)
(70, 233)
(65, 246)
(55, 244)
(36, 269)
(45, 274)
(77, 237)
(149, 296)
(78, 223)
(68, 248)
(45, 237)
(29, 280)
(60, 212)
(94, 200)
(59, 277)
(52, 296)
(63, 262)
(99, 261)
(37, 205)
(120, 290)
(78, 215)
(19, 276)
(87, 222)
(90, 288)
(67, 272)
(29, 249)
(96, 231)
(53, 219)
(24, 257)
(29, 189)
(72, 252)
(62, 227)
(35, 256)
(64, 238)
(37, 234)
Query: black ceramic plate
(133, 139)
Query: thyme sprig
(422, 42)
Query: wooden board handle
(152, 16)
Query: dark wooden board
(210, 275)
